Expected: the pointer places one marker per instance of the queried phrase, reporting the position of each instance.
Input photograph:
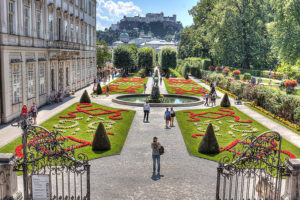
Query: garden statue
(155, 94)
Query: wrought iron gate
(255, 171)
(45, 153)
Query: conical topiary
(209, 143)
(101, 141)
(225, 101)
(99, 89)
(85, 98)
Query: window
(38, 24)
(72, 32)
(87, 69)
(52, 80)
(90, 8)
(77, 33)
(82, 69)
(30, 77)
(50, 26)
(16, 76)
(11, 13)
(67, 76)
(26, 21)
(59, 29)
(86, 35)
(74, 74)
(82, 34)
(78, 72)
(42, 79)
(66, 30)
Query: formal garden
(184, 87)
(78, 125)
(127, 85)
(230, 127)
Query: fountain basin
(169, 100)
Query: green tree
(285, 30)
(237, 33)
(146, 58)
(123, 58)
(103, 54)
(168, 58)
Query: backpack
(161, 150)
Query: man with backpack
(157, 150)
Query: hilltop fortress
(138, 22)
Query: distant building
(157, 45)
(124, 37)
(150, 17)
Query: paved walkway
(129, 176)
(286, 133)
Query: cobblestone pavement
(286, 133)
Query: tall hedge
(124, 58)
(146, 58)
(168, 58)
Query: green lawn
(137, 74)
(225, 135)
(275, 120)
(118, 86)
(185, 88)
(119, 127)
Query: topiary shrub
(167, 75)
(225, 101)
(209, 143)
(85, 98)
(101, 141)
(99, 89)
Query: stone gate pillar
(8, 178)
(293, 181)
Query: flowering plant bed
(184, 87)
(230, 125)
(290, 83)
(126, 86)
(78, 124)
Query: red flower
(211, 67)
(290, 83)
(218, 69)
(226, 70)
(236, 72)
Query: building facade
(46, 47)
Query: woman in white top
(146, 111)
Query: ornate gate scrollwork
(50, 153)
(255, 171)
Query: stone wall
(292, 186)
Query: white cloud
(109, 11)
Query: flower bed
(126, 86)
(184, 87)
(231, 128)
(78, 124)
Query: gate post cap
(6, 157)
(294, 164)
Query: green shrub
(99, 89)
(297, 115)
(101, 141)
(225, 101)
(85, 98)
(209, 143)
(247, 76)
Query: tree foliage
(103, 53)
(146, 58)
(168, 58)
(124, 57)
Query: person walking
(156, 155)
(146, 111)
(167, 117)
(107, 90)
(34, 112)
(172, 113)
(145, 87)
(24, 112)
(206, 99)
(214, 97)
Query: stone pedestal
(293, 181)
(8, 178)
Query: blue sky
(111, 11)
